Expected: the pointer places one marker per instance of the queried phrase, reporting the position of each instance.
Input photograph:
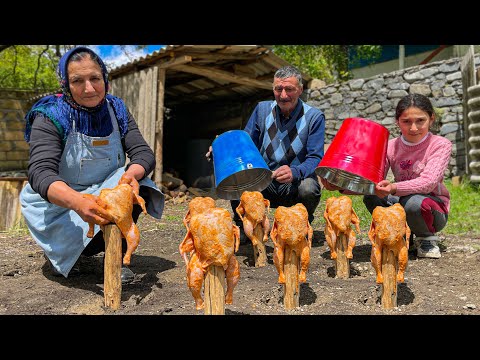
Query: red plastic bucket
(356, 158)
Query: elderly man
(290, 136)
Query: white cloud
(120, 56)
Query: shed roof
(203, 73)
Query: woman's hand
(90, 212)
(129, 179)
(85, 205)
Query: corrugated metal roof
(198, 73)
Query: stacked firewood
(176, 191)
(174, 188)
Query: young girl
(418, 160)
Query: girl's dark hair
(414, 100)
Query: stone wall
(375, 98)
(13, 148)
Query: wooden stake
(291, 295)
(215, 291)
(10, 188)
(112, 267)
(389, 272)
(259, 250)
(342, 263)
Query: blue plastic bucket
(238, 165)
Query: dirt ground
(446, 286)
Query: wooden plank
(158, 149)
(342, 263)
(11, 215)
(214, 290)
(389, 285)
(148, 106)
(259, 250)
(175, 61)
(218, 56)
(153, 105)
(112, 269)
(223, 76)
(291, 294)
(140, 82)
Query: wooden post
(112, 267)
(389, 272)
(215, 291)
(159, 127)
(259, 250)
(291, 295)
(10, 188)
(342, 263)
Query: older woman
(79, 141)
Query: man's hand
(283, 174)
(208, 155)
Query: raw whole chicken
(118, 202)
(291, 228)
(339, 214)
(253, 209)
(389, 229)
(196, 206)
(215, 240)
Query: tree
(327, 62)
(32, 67)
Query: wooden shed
(182, 96)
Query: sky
(113, 55)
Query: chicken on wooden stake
(291, 227)
(118, 203)
(389, 229)
(253, 209)
(215, 240)
(196, 206)
(339, 214)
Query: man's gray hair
(289, 71)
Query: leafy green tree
(29, 67)
(329, 63)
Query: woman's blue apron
(88, 165)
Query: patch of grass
(19, 229)
(173, 218)
(464, 213)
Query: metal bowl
(347, 180)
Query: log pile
(176, 191)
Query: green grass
(173, 218)
(464, 216)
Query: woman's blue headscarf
(62, 109)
